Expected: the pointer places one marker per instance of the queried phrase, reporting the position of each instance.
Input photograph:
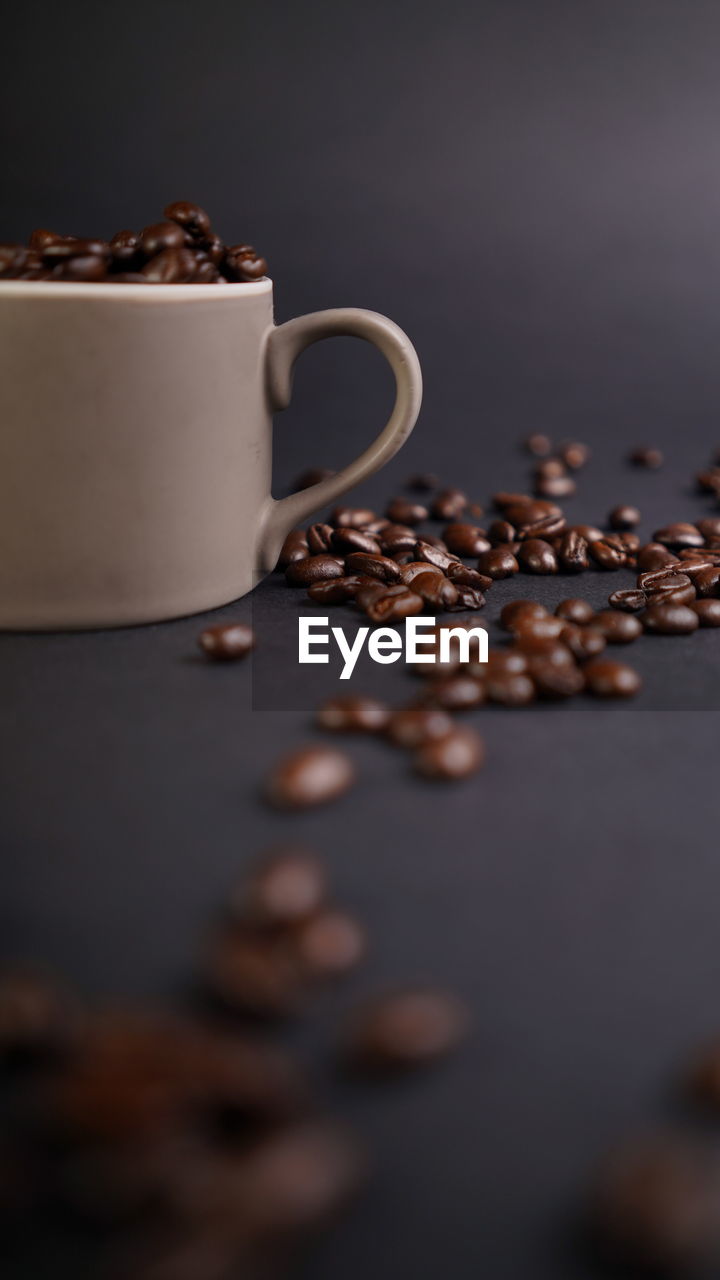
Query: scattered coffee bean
(423, 482)
(465, 539)
(646, 457)
(553, 682)
(458, 692)
(670, 619)
(302, 573)
(411, 727)
(319, 539)
(501, 531)
(536, 556)
(707, 581)
(437, 591)
(578, 611)
(311, 776)
(497, 564)
(345, 541)
(624, 517)
(328, 944)
(572, 553)
(608, 552)
(547, 527)
(352, 714)
(449, 505)
(517, 611)
(606, 678)
(574, 455)
(463, 576)
(373, 565)
(351, 517)
(227, 642)
(617, 627)
(630, 601)
(583, 641)
(555, 486)
(434, 555)
(679, 535)
(709, 527)
(538, 445)
(284, 886)
(406, 1029)
(709, 481)
(400, 511)
(457, 755)
(295, 547)
(391, 603)
(653, 556)
(339, 590)
(509, 688)
(540, 626)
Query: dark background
(532, 191)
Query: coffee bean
(284, 886)
(345, 541)
(630, 601)
(575, 611)
(670, 619)
(75, 247)
(624, 517)
(171, 266)
(458, 754)
(241, 264)
(589, 532)
(437, 592)
(550, 469)
(467, 598)
(397, 538)
(302, 573)
(509, 689)
(654, 556)
(536, 556)
(310, 776)
(423, 482)
(352, 714)
(193, 220)
(463, 576)
(457, 693)
(449, 505)
(160, 236)
(412, 726)
(709, 481)
(606, 678)
(502, 662)
(352, 517)
(400, 511)
(574, 455)
(497, 564)
(671, 587)
(553, 682)
(406, 1029)
(646, 457)
(328, 944)
(707, 582)
(409, 572)
(339, 590)
(425, 550)
(373, 565)
(521, 510)
(391, 604)
(709, 527)
(501, 531)
(227, 642)
(708, 611)
(538, 445)
(516, 611)
(618, 628)
(583, 641)
(41, 238)
(555, 486)
(547, 527)
(655, 1206)
(572, 553)
(319, 538)
(465, 539)
(679, 535)
(307, 479)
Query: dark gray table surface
(569, 892)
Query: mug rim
(134, 292)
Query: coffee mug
(135, 445)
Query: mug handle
(285, 344)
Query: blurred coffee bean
(574, 455)
(606, 678)
(617, 627)
(160, 236)
(170, 266)
(709, 527)
(654, 556)
(242, 264)
(644, 456)
(536, 626)
(537, 556)
(406, 1029)
(124, 249)
(423, 482)
(284, 886)
(458, 692)
(401, 511)
(584, 642)
(509, 688)
(449, 505)
(708, 611)
(562, 486)
(501, 531)
(676, 536)
(328, 944)
(578, 611)
(497, 564)
(302, 573)
(624, 517)
(411, 727)
(37, 1017)
(227, 642)
(351, 517)
(518, 610)
(538, 445)
(251, 972)
(353, 714)
(310, 776)
(553, 682)
(709, 481)
(707, 582)
(339, 590)
(670, 619)
(630, 601)
(75, 247)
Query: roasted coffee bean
(572, 553)
(410, 727)
(457, 755)
(353, 714)
(171, 266)
(707, 582)
(574, 455)
(670, 619)
(251, 971)
(307, 479)
(242, 264)
(193, 220)
(302, 573)
(709, 481)
(400, 511)
(654, 1206)
(465, 539)
(373, 590)
(646, 457)
(75, 247)
(458, 692)
(538, 445)
(542, 650)
(449, 505)
(351, 517)
(377, 527)
(509, 688)
(501, 531)
(630, 541)
(423, 482)
(284, 886)
(435, 541)
(392, 603)
(497, 564)
(37, 1017)
(550, 469)
(708, 611)
(521, 509)
(578, 611)
(548, 526)
(160, 236)
(328, 944)
(583, 641)
(555, 486)
(463, 576)
(406, 1029)
(543, 626)
(41, 238)
(124, 249)
(438, 592)
(517, 611)
(589, 532)
(408, 572)
(310, 776)
(319, 538)
(654, 556)
(606, 678)
(467, 598)
(89, 267)
(679, 535)
(617, 627)
(709, 527)
(425, 550)
(537, 556)
(673, 587)
(397, 539)
(510, 661)
(227, 642)
(345, 541)
(373, 565)
(339, 590)
(608, 552)
(694, 561)
(629, 601)
(624, 517)
(553, 682)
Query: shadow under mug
(136, 440)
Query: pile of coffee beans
(183, 248)
(193, 1143)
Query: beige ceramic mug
(135, 445)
